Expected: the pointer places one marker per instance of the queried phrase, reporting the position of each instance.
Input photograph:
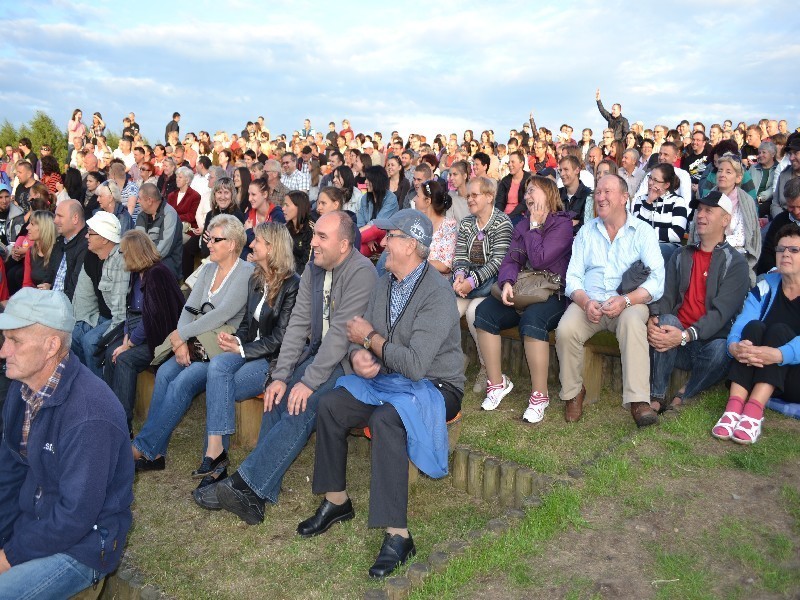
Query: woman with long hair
(241, 180)
(398, 182)
(344, 179)
(38, 270)
(378, 203)
(51, 174)
(261, 209)
(241, 369)
(332, 198)
(297, 211)
(39, 199)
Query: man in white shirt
(201, 185)
(124, 152)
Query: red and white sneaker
(536, 405)
(495, 393)
(747, 431)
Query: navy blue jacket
(73, 492)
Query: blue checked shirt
(401, 291)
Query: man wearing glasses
(704, 289)
(407, 382)
(293, 178)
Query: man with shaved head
(70, 248)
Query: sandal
(750, 428)
(727, 424)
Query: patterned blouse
(443, 246)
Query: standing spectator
(173, 127)
(615, 120)
(75, 128)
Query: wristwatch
(627, 301)
(684, 338)
(368, 339)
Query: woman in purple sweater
(542, 241)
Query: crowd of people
(330, 271)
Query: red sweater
(187, 208)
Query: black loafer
(209, 465)
(396, 550)
(205, 495)
(245, 504)
(327, 514)
(143, 464)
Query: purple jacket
(548, 248)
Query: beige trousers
(630, 327)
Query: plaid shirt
(34, 400)
(401, 291)
(297, 181)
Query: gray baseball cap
(45, 307)
(411, 222)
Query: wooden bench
(453, 433)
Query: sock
(754, 410)
(238, 483)
(735, 405)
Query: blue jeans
(54, 576)
(667, 249)
(231, 379)
(121, 377)
(707, 361)
(282, 437)
(84, 342)
(175, 388)
(536, 321)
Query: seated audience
(109, 199)
(297, 210)
(185, 201)
(433, 201)
(39, 268)
(70, 248)
(663, 209)
(161, 223)
(791, 193)
(574, 193)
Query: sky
(424, 67)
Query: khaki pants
(630, 327)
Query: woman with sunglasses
(240, 371)
(765, 345)
(154, 304)
(218, 298)
(482, 243)
(223, 202)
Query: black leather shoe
(205, 495)
(396, 550)
(245, 504)
(209, 465)
(142, 464)
(327, 514)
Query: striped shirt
(495, 239)
(668, 215)
(34, 399)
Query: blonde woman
(38, 271)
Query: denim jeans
(535, 322)
(175, 388)
(121, 377)
(84, 342)
(54, 576)
(231, 379)
(282, 437)
(707, 361)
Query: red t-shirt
(513, 197)
(694, 302)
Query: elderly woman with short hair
(763, 174)
(218, 300)
(109, 198)
(167, 182)
(185, 201)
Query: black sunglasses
(204, 308)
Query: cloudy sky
(412, 66)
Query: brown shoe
(573, 409)
(643, 414)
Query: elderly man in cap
(704, 289)
(66, 471)
(408, 382)
(102, 289)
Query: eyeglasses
(95, 233)
(204, 308)
(791, 249)
(146, 170)
(398, 235)
(216, 240)
(474, 195)
(654, 180)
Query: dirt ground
(615, 555)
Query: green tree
(44, 131)
(8, 135)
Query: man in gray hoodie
(408, 382)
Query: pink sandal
(749, 428)
(726, 425)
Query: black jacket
(75, 250)
(618, 124)
(503, 187)
(576, 204)
(272, 321)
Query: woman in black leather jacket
(241, 370)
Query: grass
(192, 553)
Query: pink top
(76, 130)
(513, 195)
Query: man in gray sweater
(408, 381)
(334, 288)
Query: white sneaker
(495, 393)
(480, 384)
(536, 405)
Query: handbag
(531, 287)
(202, 348)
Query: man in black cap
(704, 289)
(792, 150)
(408, 382)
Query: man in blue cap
(66, 469)
(408, 382)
